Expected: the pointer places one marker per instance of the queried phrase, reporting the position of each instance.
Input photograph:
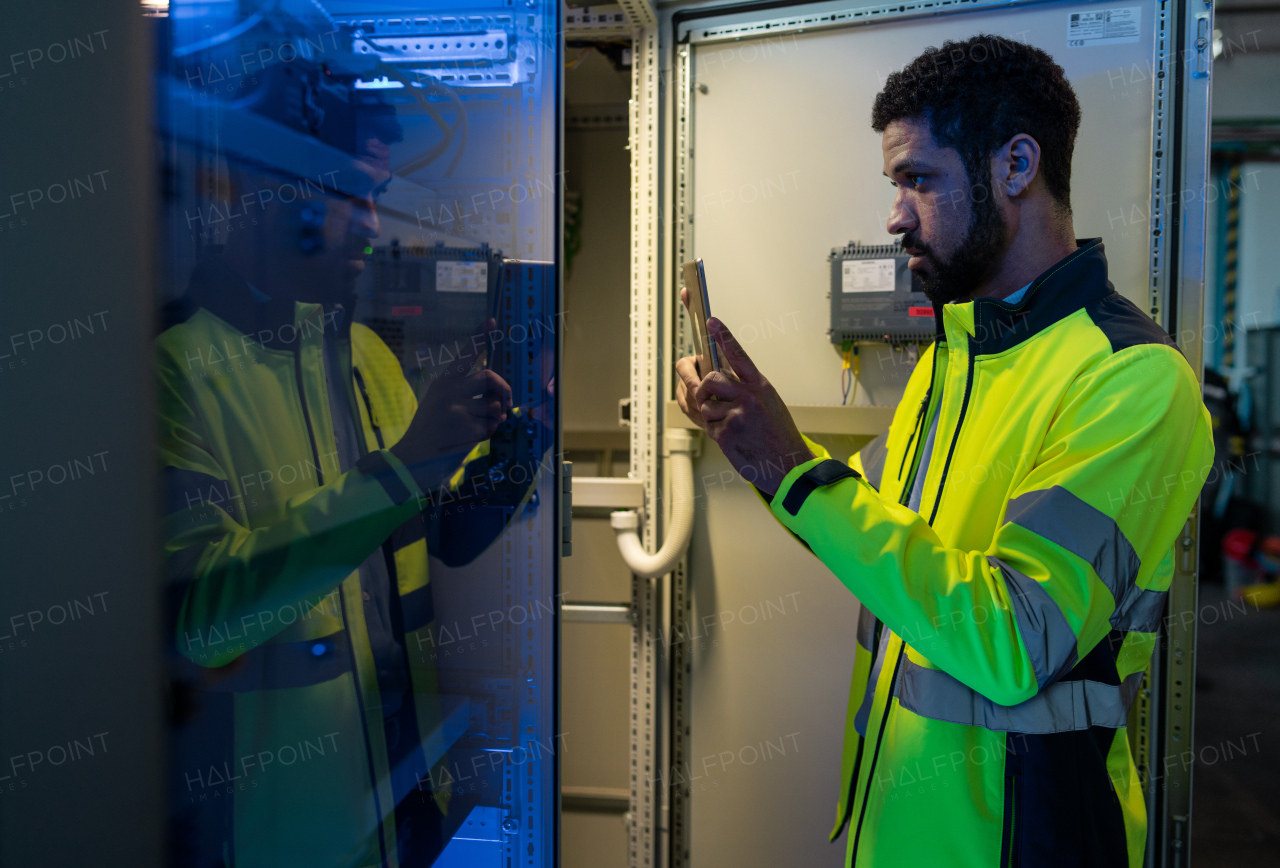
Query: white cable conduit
(681, 444)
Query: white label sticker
(1103, 26)
(453, 276)
(867, 275)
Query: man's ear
(1017, 164)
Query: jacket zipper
(351, 650)
(388, 550)
(876, 639)
(955, 438)
(893, 680)
(924, 405)
(368, 406)
(306, 413)
(897, 664)
(915, 430)
(875, 755)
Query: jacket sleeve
(1074, 555)
(221, 572)
(497, 481)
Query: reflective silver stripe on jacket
(866, 627)
(1064, 706)
(1048, 637)
(864, 710)
(1060, 517)
(1141, 611)
(873, 456)
(1091, 535)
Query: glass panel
(357, 360)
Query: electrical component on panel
(874, 297)
(426, 302)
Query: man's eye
(915, 180)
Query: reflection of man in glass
(298, 461)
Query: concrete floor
(1236, 795)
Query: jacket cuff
(392, 475)
(816, 448)
(804, 480)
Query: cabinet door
(774, 165)
(359, 235)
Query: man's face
(311, 248)
(949, 223)
(352, 221)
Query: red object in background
(919, 311)
(1260, 560)
(1237, 544)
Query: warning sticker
(1103, 27)
(454, 276)
(867, 275)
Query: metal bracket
(640, 12)
(596, 22)
(1203, 45)
(644, 828)
(597, 613)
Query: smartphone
(520, 348)
(695, 281)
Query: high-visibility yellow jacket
(1007, 621)
(291, 761)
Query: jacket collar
(995, 326)
(273, 322)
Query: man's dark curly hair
(978, 94)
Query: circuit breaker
(874, 297)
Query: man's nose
(902, 218)
(364, 219)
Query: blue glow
(318, 649)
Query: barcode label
(867, 275)
(1104, 27)
(454, 276)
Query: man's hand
(684, 395)
(460, 409)
(742, 413)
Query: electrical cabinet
(752, 149)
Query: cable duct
(681, 445)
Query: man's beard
(981, 247)
(336, 281)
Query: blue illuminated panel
(357, 355)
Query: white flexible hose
(680, 529)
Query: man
(298, 462)
(1011, 588)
